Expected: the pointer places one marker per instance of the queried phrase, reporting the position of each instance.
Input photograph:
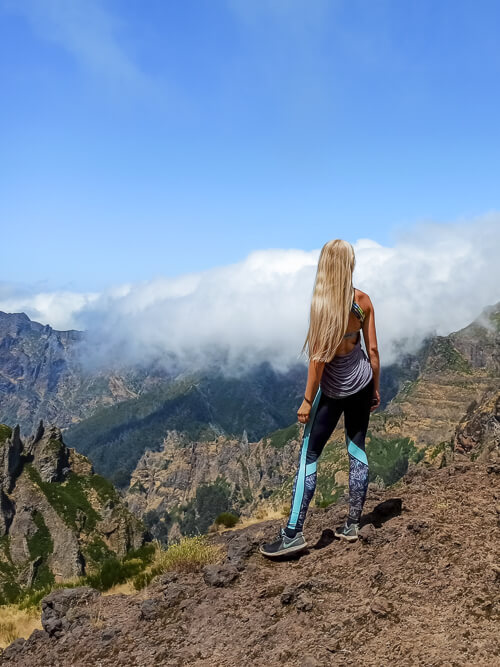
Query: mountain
(58, 520)
(42, 377)
(201, 407)
(421, 587)
(183, 486)
(455, 371)
(117, 415)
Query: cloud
(435, 279)
(86, 30)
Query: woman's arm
(370, 336)
(314, 374)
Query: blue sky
(148, 138)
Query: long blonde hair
(331, 302)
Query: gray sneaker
(349, 533)
(284, 545)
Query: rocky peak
(50, 454)
(11, 449)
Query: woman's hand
(375, 400)
(303, 412)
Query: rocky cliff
(58, 520)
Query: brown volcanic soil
(423, 588)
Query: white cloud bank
(436, 279)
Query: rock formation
(57, 518)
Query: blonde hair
(331, 302)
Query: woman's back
(350, 369)
(356, 319)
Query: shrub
(114, 571)
(190, 554)
(227, 519)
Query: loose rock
(220, 575)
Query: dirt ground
(421, 588)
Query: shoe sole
(346, 538)
(285, 551)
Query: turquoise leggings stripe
(303, 469)
(356, 451)
(311, 467)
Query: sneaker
(349, 533)
(284, 545)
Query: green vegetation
(227, 519)
(210, 501)
(114, 571)
(325, 494)
(68, 499)
(495, 320)
(9, 590)
(406, 391)
(279, 438)
(96, 551)
(43, 577)
(104, 488)
(438, 449)
(40, 543)
(5, 432)
(111, 571)
(389, 457)
(446, 357)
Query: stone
(57, 604)
(304, 602)
(381, 606)
(367, 533)
(310, 661)
(288, 595)
(173, 594)
(14, 649)
(220, 575)
(239, 549)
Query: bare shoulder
(363, 299)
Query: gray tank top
(347, 373)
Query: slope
(421, 588)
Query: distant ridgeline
(116, 416)
(58, 520)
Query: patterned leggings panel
(325, 413)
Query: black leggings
(325, 413)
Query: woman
(341, 378)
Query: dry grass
(96, 619)
(127, 588)
(188, 555)
(15, 622)
(263, 514)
